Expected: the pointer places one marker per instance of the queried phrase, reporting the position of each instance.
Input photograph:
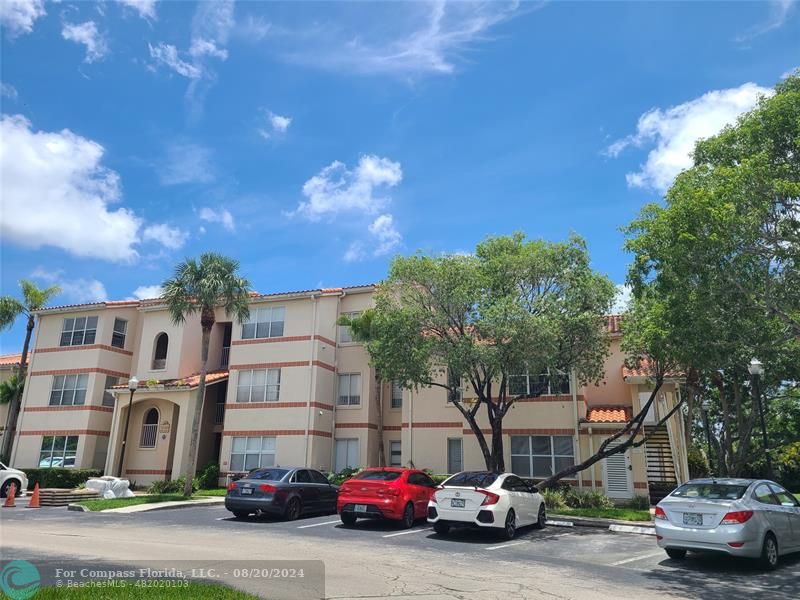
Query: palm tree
(33, 299)
(200, 287)
(9, 388)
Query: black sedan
(287, 492)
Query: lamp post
(133, 383)
(756, 369)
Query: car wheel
(292, 510)
(348, 519)
(7, 488)
(769, 553)
(441, 528)
(541, 519)
(676, 553)
(510, 528)
(407, 522)
(241, 514)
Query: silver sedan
(752, 518)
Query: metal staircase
(661, 474)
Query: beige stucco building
(289, 387)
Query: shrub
(341, 476)
(588, 499)
(173, 486)
(208, 477)
(439, 478)
(553, 499)
(60, 478)
(698, 462)
(640, 502)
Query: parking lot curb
(77, 507)
(632, 529)
(202, 501)
(611, 524)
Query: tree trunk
(198, 407)
(16, 400)
(473, 424)
(498, 460)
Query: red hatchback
(385, 493)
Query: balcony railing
(219, 415)
(149, 433)
(226, 351)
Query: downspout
(573, 388)
(335, 381)
(312, 355)
(411, 429)
(591, 453)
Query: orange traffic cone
(10, 495)
(34, 503)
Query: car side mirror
(534, 489)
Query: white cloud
(201, 47)
(147, 292)
(78, 291)
(61, 175)
(779, 12)
(169, 237)
(167, 55)
(145, 8)
(675, 131)
(622, 299)
(336, 189)
(355, 252)
(186, 163)
(424, 37)
(8, 90)
(86, 34)
(253, 29)
(221, 215)
(386, 236)
(18, 16)
(275, 125)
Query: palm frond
(10, 309)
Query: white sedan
(483, 500)
(9, 476)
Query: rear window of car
(710, 491)
(479, 479)
(378, 475)
(268, 474)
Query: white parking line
(407, 532)
(319, 524)
(505, 545)
(634, 559)
(226, 519)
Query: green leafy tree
(10, 388)
(516, 306)
(201, 287)
(33, 298)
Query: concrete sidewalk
(135, 508)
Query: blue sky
(313, 141)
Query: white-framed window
(349, 389)
(58, 451)
(541, 455)
(69, 389)
(550, 383)
(149, 429)
(456, 391)
(258, 385)
(264, 323)
(108, 397)
(160, 349)
(118, 335)
(77, 331)
(346, 454)
(345, 335)
(248, 453)
(397, 395)
(395, 454)
(455, 455)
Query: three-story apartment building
(290, 387)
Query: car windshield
(479, 479)
(268, 474)
(378, 475)
(710, 491)
(3, 467)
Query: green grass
(104, 504)
(201, 591)
(214, 492)
(622, 514)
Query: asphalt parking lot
(628, 561)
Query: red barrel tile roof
(608, 414)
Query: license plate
(457, 502)
(247, 491)
(361, 508)
(692, 519)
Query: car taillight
(265, 487)
(491, 498)
(660, 514)
(232, 485)
(737, 517)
